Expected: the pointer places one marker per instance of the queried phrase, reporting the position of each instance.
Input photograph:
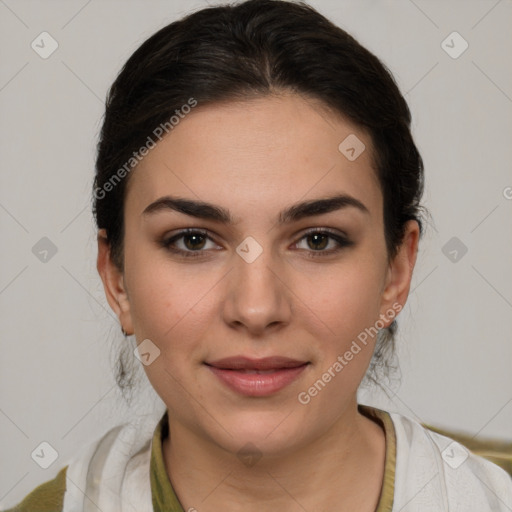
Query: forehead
(257, 155)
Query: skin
(256, 158)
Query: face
(282, 268)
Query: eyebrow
(208, 211)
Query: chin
(265, 433)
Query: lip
(257, 377)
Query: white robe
(433, 473)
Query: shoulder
(47, 497)
(435, 468)
(113, 469)
(99, 470)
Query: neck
(342, 470)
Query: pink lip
(240, 373)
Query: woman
(257, 199)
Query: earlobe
(400, 271)
(113, 283)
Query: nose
(259, 299)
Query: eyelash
(341, 240)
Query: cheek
(158, 296)
(172, 305)
(347, 299)
(165, 309)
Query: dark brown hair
(256, 48)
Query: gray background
(59, 337)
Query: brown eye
(318, 241)
(194, 241)
(323, 242)
(190, 243)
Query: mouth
(257, 377)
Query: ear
(113, 283)
(399, 274)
